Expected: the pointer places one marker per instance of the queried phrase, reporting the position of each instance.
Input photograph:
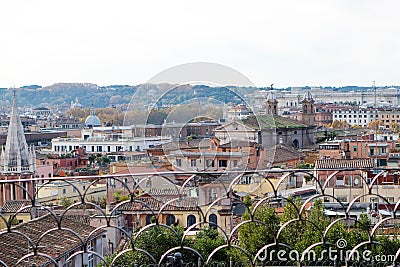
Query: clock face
(356, 181)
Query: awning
(334, 213)
(385, 213)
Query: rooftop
(271, 122)
(14, 245)
(343, 163)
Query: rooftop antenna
(374, 88)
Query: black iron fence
(308, 217)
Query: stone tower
(308, 115)
(17, 161)
(272, 104)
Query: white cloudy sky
(288, 43)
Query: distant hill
(89, 94)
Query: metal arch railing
(142, 203)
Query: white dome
(92, 120)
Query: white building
(355, 116)
(292, 98)
(107, 145)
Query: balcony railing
(86, 230)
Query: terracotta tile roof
(168, 192)
(188, 203)
(55, 244)
(281, 153)
(343, 163)
(12, 206)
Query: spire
(16, 157)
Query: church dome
(92, 120)
(308, 96)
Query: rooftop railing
(210, 218)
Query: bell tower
(308, 108)
(272, 104)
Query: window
(149, 218)
(210, 163)
(148, 183)
(235, 163)
(342, 198)
(170, 219)
(222, 163)
(68, 263)
(64, 191)
(339, 181)
(192, 163)
(191, 219)
(212, 194)
(90, 255)
(355, 148)
(213, 221)
(178, 162)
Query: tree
(375, 125)
(119, 197)
(66, 202)
(339, 124)
(156, 241)
(115, 99)
(317, 221)
(394, 126)
(292, 234)
(261, 231)
(208, 239)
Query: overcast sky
(288, 43)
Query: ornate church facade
(17, 162)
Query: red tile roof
(155, 204)
(343, 163)
(281, 154)
(12, 206)
(55, 244)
